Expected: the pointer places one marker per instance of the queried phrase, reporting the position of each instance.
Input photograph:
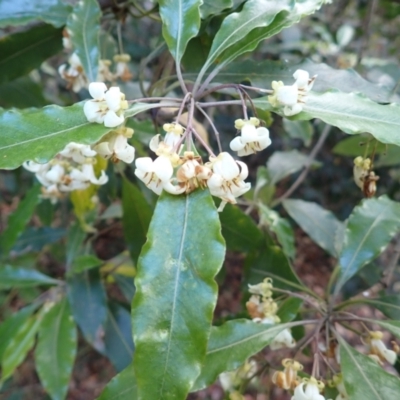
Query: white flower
(284, 339)
(262, 289)
(308, 390)
(121, 68)
(86, 175)
(104, 73)
(227, 180)
(107, 107)
(287, 379)
(157, 174)
(78, 152)
(173, 136)
(378, 348)
(251, 139)
(115, 146)
(292, 97)
(74, 74)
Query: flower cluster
(292, 97)
(364, 177)
(107, 107)
(72, 169)
(262, 308)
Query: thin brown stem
(216, 133)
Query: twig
(216, 133)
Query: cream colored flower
(74, 74)
(287, 379)
(252, 138)
(309, 389)
(378, 348)
(121, 68)
(292, 97)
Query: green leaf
(175, 294)
(19, 219)
(370, 228)
(41, 134)
(22, 93)
(87, 297)
(10, 326)
(118, 336)
(281, 227)
(302, 130)
(284, 163)
(364, 378)
(19, 345)
(289, 308)
(34, 239)
(181, 22)
(24, 51)
(271, 261)
(75, 238)
(258, 21)
(354, 146)
(320, 224)
(56, 350)
(239, 230)
(85, 262)
(388, 305)
(126, 285)
(20, 277)
(20, 12)
(84, 25)
(231, 344)
(121, 387)
(136, 218)
(210, 8)
(354, 113)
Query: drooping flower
(74, 74)
(78, 152)
(253, 138)
(283, 339)
(292, 97)
(227, 180)
(103, 73)
(108, 105)
(121, 68)
(230, 380)
(173, 135)
(157, 174)
(115, 146)
(287, 379)
(338, 382)
(364, 177)
(309, 389)
(378, 348)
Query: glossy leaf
(262, 73)
(231, 344)
(85, 262)
(136, 218)
(239, 230)
(209, 8)
(364, 378)
(121, 387)
(370, 228)
(284, 163)
(19, 345)
(289, 308)
(87, 297)
(118, 336)
(176, 294)
(388, 305)
(281, 227)
(320, 224)
(56, 350)
(10, 326)
(24, 51)
(259, 21)
(20, 12)
(41, 134)
(84, 26)
(19, 219)
(20, 277)
(270, 261)
(34, 239)
(181, 22)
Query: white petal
(163, 168)
(264, 140)
(287, 95)
(144, 164)
(172, 139)
(101, 180)
(249, 133)
(170, 188)
(103, 149)
(111, 120)
(299, 392)
(289, 111)
(215, 181)
(92, 111)
(55, 173)
(113, 98)
(246, 151)
(226, 166)
(244, 172)
(97, 90)
(154, 143)
(127, 154)
(302, 77)
(237, 144)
